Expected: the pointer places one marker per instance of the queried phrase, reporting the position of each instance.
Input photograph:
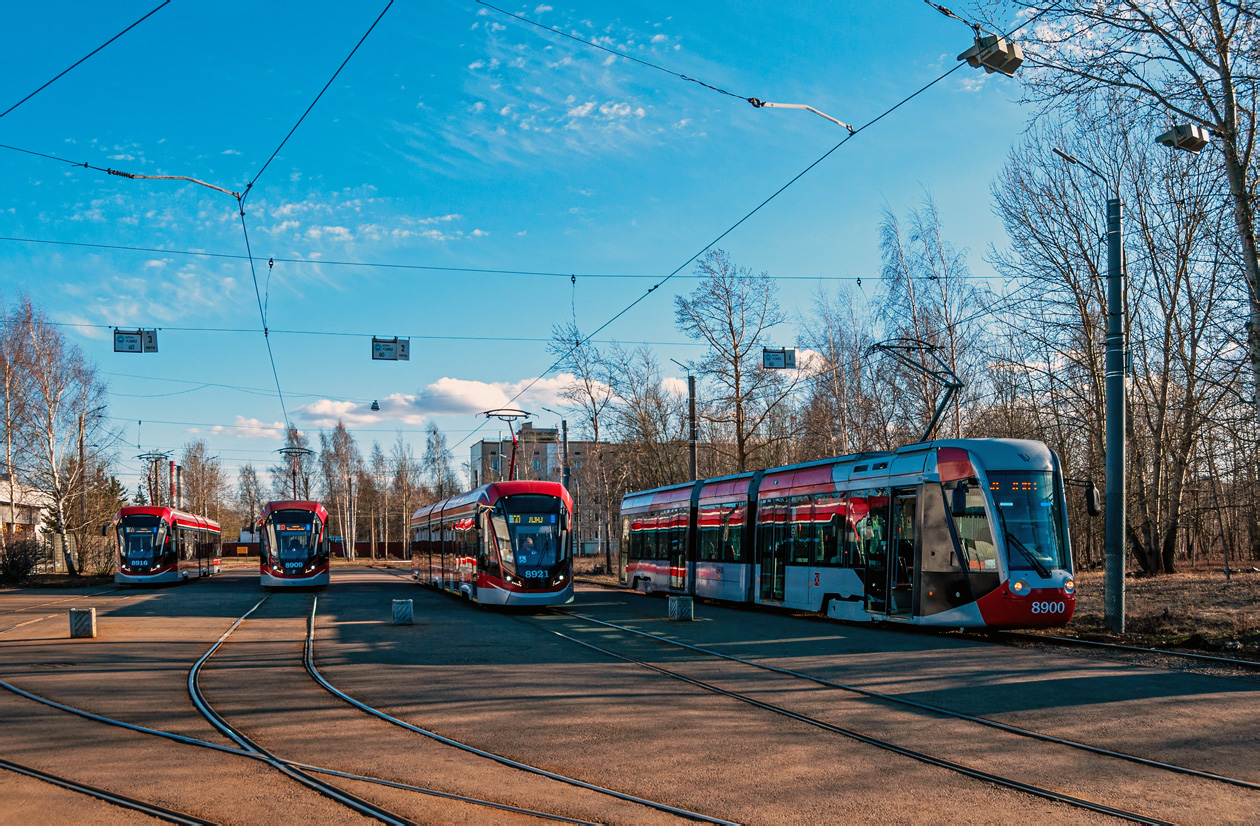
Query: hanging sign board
(783, 358)
(127, 341)
(135, 341)
(391, 349)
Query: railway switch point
(82, 623)
(403, 614)
(682, 609)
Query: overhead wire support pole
(898, 349)
(1116, 411)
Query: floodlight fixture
(1188, 137)
(994, 54)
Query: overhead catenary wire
(240, 202)
(731, 229)
(72, 66)
(249, 186)
(852, 134)
(640, 61)
(396, 266)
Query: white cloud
(477, 64)
(231, 152)
(245, 428)
(659, 38)
(583, 110)
(542, 8)
(478, 233)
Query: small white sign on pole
(150, 340)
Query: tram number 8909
(1049, 607)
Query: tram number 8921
(1049, 607)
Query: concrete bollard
(682, 609)
(82, 622)
(403, 612)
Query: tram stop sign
(783, 358)
(135, 341)
(391, 349)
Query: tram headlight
(1019, 587)
(1069, 587)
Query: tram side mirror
(958, 500)
(104, 530)
(1093, 499)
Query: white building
(25, 516)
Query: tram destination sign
(783, 358)
(391, 349)
(135, 341)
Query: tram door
(901, 552)
(868, 512)
(773, 543)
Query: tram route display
(295, 544)
(506, 543)
(154, 544)
(960, 533)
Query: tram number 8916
(1049, 607)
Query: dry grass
(1196, 610)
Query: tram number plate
(1049, 607)
(535, 574)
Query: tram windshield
(293, 534)
(140, 539)
(1029, 515)
(531, 535)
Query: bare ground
(1198, 610)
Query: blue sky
(456, 137)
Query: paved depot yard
(507, 684)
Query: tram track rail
(57, 601)
(1077, 642)
(113, 798)
(239, 752)
(309, 661)
(877, 742)
(1010, 637)
(928, 707)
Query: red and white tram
(953, 533)
(164, 545)
(295, 544)
(506, 543)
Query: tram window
(711, 530)
(733, 535)
(803, 539)
(868, 514)
(975, 534)
(827, 523)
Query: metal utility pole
(564, 459)
(1114, 373)
(1114, 543)
(564, 447)
(691, 415)
(295, 455)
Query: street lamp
(1114, 366)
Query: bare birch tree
(1181, 61)
(732, 310)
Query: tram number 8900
(1049, 607)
